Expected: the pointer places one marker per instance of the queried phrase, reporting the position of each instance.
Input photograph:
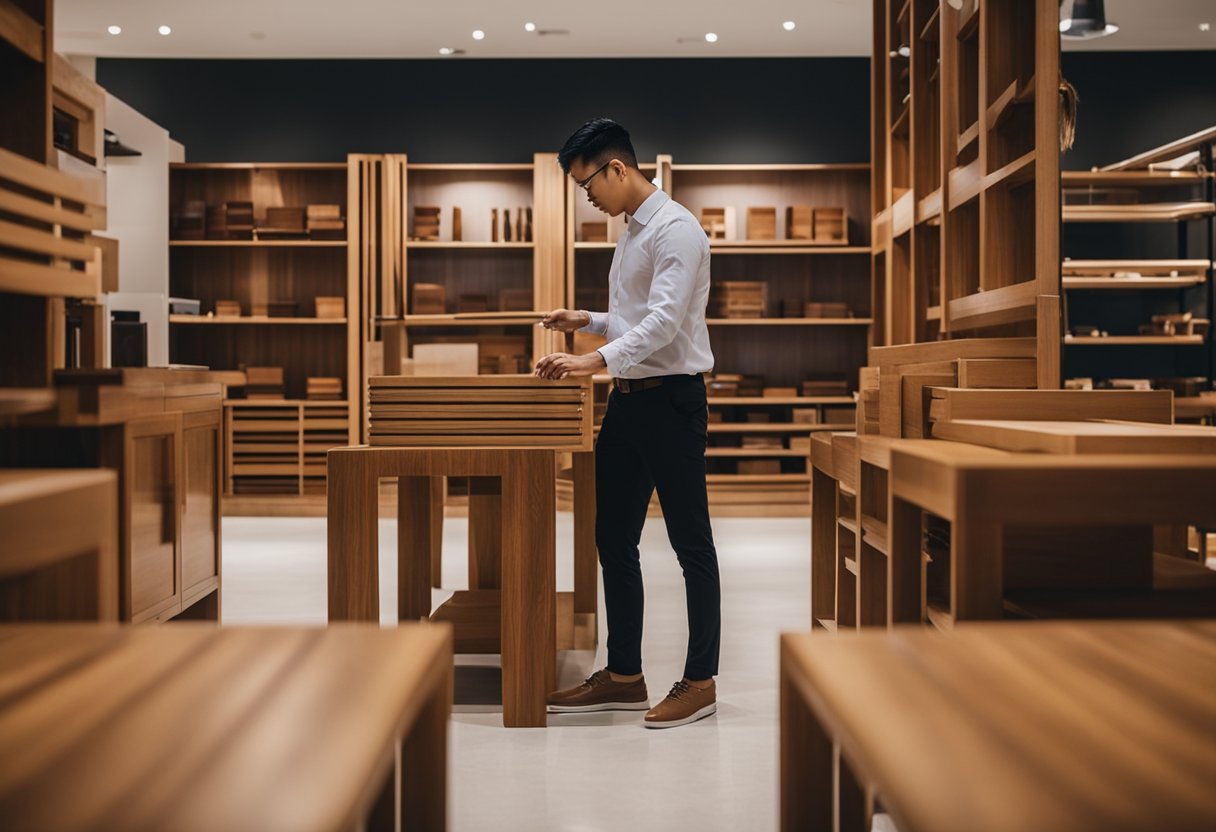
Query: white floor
(592, 772)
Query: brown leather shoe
(599, 692)
(683, 705)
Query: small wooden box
(331, 307)
(762, 223)
(713, 220)
(737, 299)
(805, 415)
(595, 232)
(831, 226)
(820, 309)
(444, 360)
(327, 388)
(798, 223)
(800, 443)
(228, 308)
(515, 300)
(430, 299)
(762, 443)
(780, 392)
(426, 222)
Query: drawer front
(153, 577)
(200, 519)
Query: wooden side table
(525, 502)
(195, 727)
(1004, 728)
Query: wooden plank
(1154, 406)
(22, 31)
(950, 350)
(25, 278)
(47, 180)
(1065, 437)
(994, 307)
(1012, 373)
(1169, 150)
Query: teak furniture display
(282, 294)
(1139, 244)
(1096, 725)
(160, 431)
(966, 195)
(59, 561)
(798, 250)
(502, 434)
(223, 729)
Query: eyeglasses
(586, 183)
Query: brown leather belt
(634, 385)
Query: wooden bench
(190, 726)
(987, 494)
(59, 558)
(1044, 726)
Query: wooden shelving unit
(1117, 212)
(274, 449)
(965, 116)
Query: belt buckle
(623, 385)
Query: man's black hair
(596, 142)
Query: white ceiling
(620, 29)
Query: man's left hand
(559, 365)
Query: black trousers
(655, 439)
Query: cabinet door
(152, 451)
(202, 444)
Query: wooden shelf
(848, 523)
(783, 401)
(465, 245)
(476, 319)
(1013, 96)
(850, 565)
(1018, 172)
(969, 135)
(23, 32)
(769, 427)
(926, 32)
(1172, 150)
(595, 246)
(475, 167)
(257, 243)
(285, 403)
(971, 25)
(929, 208)
(1133, 340)
(754, 452)
(775, 168)
(828, 624)
(874, 534)
(1150, 212)
(789, 321)
(335, 166)
(1132, 178)
(1124, 283)
(251, 320)
(899, 127)
(781, 247)
(1151, 265)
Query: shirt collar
(650, 206)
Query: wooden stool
(984, 492)
(1001, 727)
(524, 500)
(192, 726)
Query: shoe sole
(599, 706)
(708, 710)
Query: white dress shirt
(658, 287)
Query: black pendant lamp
(1088, 21)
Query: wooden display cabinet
(267, 270)
(965, 106)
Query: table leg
(807, 788)
(586, 559)
(823, 547)
(424, 764)
(439, 493)
(485, 532)
(976, 570)
(415, 537)
(353, 537)
(904, 574)
(529, 578)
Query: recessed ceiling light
(788, 25)
(165, 30)
(1205, 27)
(445, 50)
(115, 30)
(711, 37)
(529, 27)
(478, 34)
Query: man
(654, 431)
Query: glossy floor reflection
(591, 772)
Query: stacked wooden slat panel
(498, 411)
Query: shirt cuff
(611, 353)
(598, 324)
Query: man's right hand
(566, 320)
